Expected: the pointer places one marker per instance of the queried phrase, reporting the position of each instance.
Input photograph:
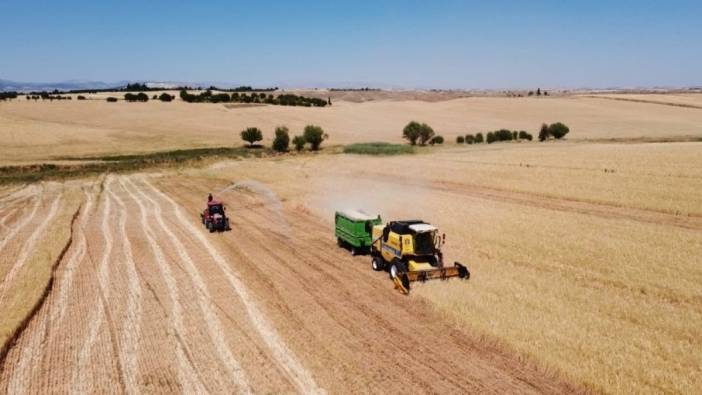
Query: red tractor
(214, 217)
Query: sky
(383, 43)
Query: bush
(460, 140)
(515, 135)
(79, 97)
(558, 130)
(479, 138)
(470, 139)
(378, 149)
(154, 97)
(251, 135)
(299, 142)
(165, 97)
(141, 97)
(436, 140)
(282, 139)
(314, 135)
(491, 138)
(111, 99)
(523, 135)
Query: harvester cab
(411, 251)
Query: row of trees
(421, 133)
(312, 135)
(8, 95)
(143, 97)
(47, 97)
(284, 100)
(498, 135)
(507, 135)
(556, 130)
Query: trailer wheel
(377, 263)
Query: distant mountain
(6, 85)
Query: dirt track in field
(145, 300)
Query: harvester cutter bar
(402, 281)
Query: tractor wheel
(226, 225)
(377, 263)
(210, 227)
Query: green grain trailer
(353, 229)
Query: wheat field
(593, 274)
(585, 253)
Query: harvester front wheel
(396, 268)
(377, 263)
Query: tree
(282, 139)
(165, 97)
(314, 135)
(460, 140)
(470, 139)
(111, 99)
(538, 92)
(558, 130)
(251, 135)
(543, 132)
(411, 132)
(515, 135)
(425, 134)
(299, 142)
(79, 97)
(479, 138)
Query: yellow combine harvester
(411, 251)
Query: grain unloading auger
(411, 250)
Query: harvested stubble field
(585, 262)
